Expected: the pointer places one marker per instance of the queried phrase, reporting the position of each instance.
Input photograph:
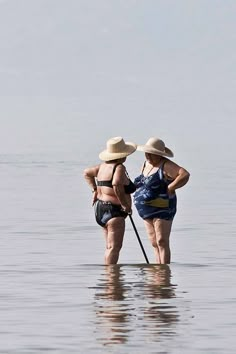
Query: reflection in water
(160, 314)
(112, 311)
(135, 298)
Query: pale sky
(75, 72)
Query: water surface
(57, 296)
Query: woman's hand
(126, 209)
(95, 193)
(171, 190)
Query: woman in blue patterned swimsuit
(155, 198)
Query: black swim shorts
(104, 211)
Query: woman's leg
(162, 231)
(114, 235)
(149, 225)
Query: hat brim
(151, 150)
(108, 156)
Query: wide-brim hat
(117, 148)
(156, 146)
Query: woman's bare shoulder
(172, 169)
(119, 174)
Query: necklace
(150, 171)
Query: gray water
(58, 297)
(72, 75)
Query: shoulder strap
(162, 165)
(114, 170)
(161, 170)
(144, 164)
(109, 182)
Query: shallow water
(58, 297)
(72, 75)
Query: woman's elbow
(86, 173)
(187, 176)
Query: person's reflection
(111, 309)
(160, 312)
(138, 298)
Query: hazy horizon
(74, 73)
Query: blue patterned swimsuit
(151, 198)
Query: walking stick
(135, 230)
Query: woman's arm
(90, 175)
(125, 199)
(118, 182)
(179, 175)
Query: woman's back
(110, 174)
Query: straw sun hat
(155, 146)
(117, 149)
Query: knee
(161, 242)
(154, 243)
(153, 240)
(114, 247)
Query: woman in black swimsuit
(111, 189)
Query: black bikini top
(129, 188)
